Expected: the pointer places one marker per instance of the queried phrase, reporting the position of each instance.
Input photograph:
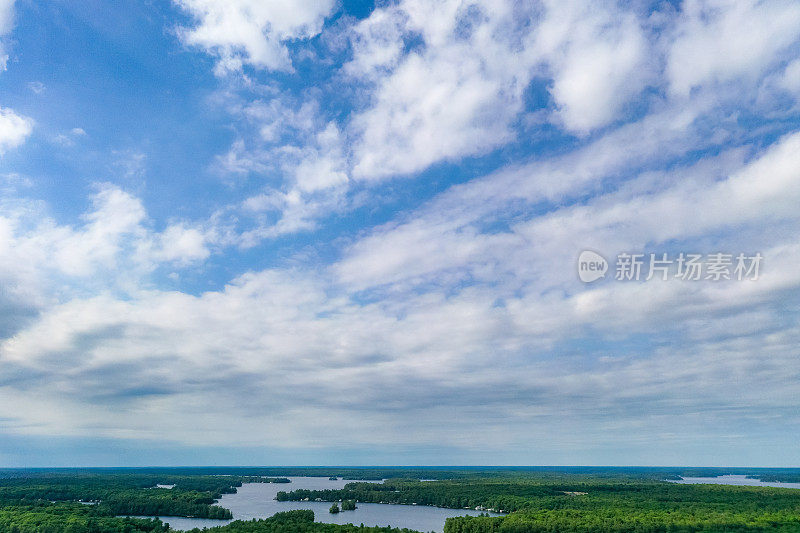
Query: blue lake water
(257, 500)
(735, 480)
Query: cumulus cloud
(716, 41)
(454, 95)
(182, 244)
(116, 216)
(599, 59)
(14, 129)
(252, 32)
(461, 90)
(113, 247)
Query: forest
(543, 500)
(82, 501)
(565, 502)
(296, 522)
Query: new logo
(591, 266)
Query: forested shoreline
(582, 503)
(541, 501)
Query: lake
(735, 480)
(257, 500)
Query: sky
(253, 232)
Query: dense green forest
(78, 502)
(349, 505)
(296, 522)
(533, 500)
(132, 494)
(554, 502)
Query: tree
(349, 505)
(334, 508)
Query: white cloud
(68, 139)
(182, 244)
(377, 42)
(14, 129)
(529, 267)
(36, 87)
(599, 59)
(112, 249)
(280, 213)
(252, 32)
(790, 78)
(6, 16)
(116, 216)
(144, 365)
(301, 160)
(453, 96)
(323, 165)
(444, 82)
(6, 24)
(719, 40)
(459, 92)
(438, 238)
(130, 164)
(238, 160)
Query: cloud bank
(408, 192)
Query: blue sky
(237, 232)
